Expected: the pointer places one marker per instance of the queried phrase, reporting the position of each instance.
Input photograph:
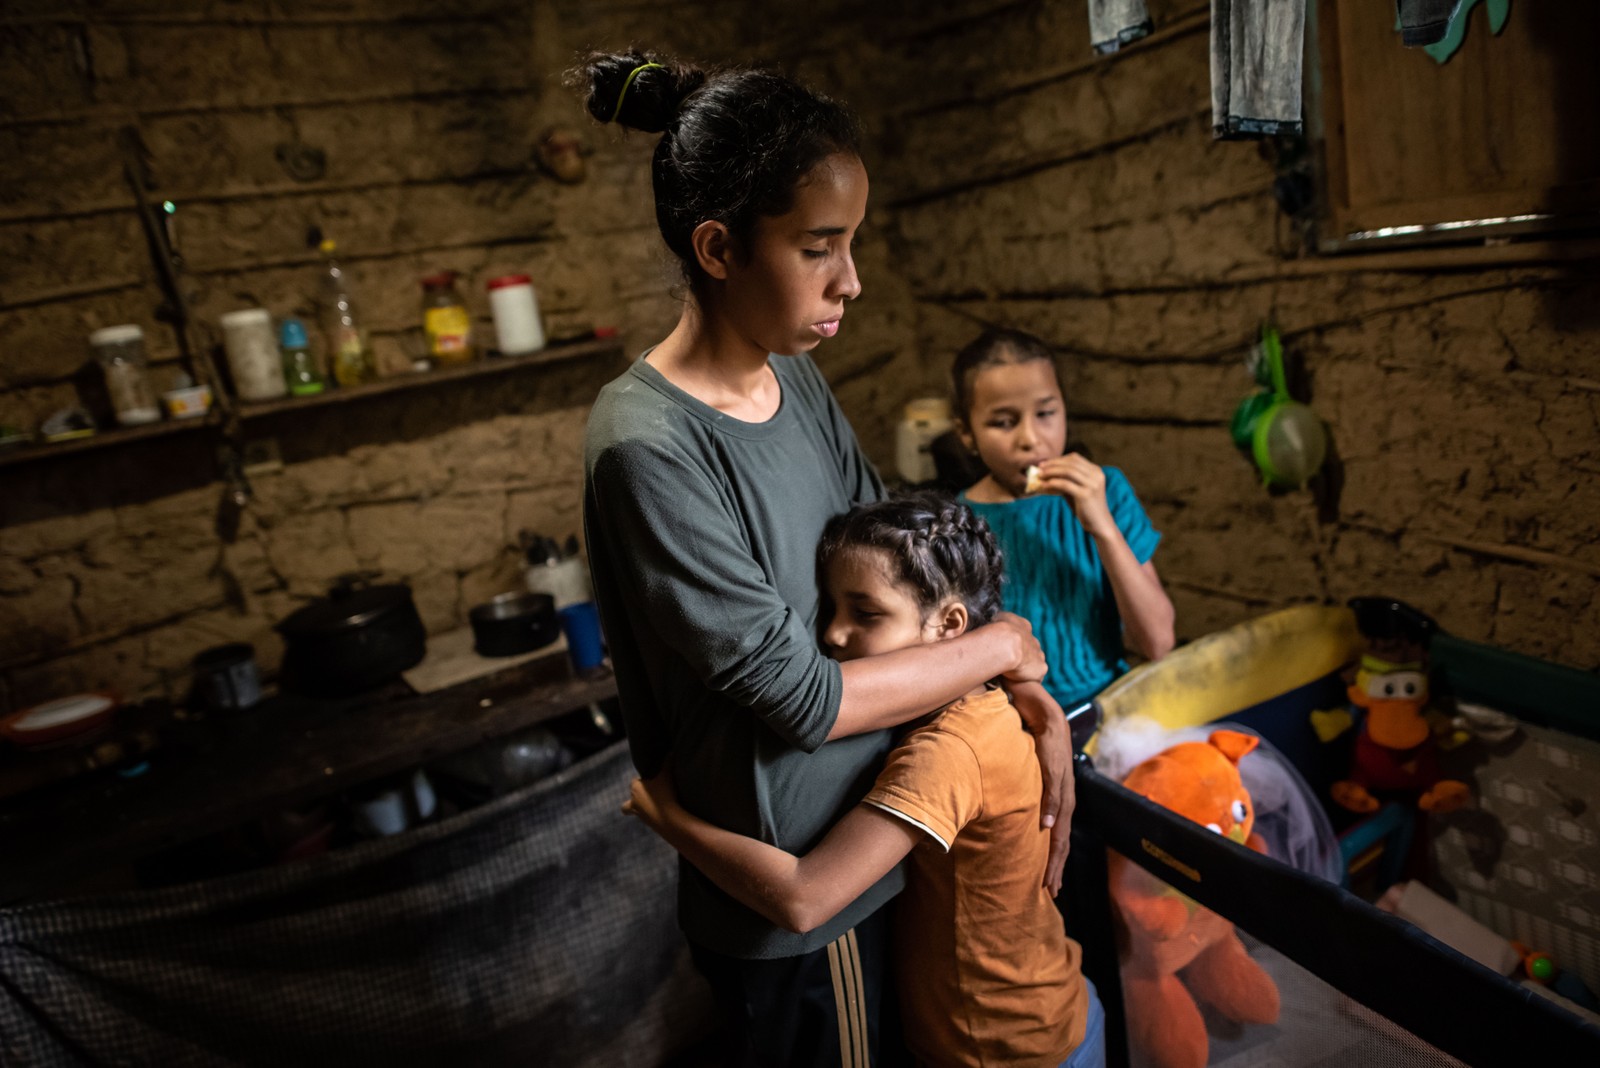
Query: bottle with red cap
(445, 320)
(517, 327)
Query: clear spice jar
(445, 320)
(120, 350)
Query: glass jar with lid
(445, 320)
(120, 350)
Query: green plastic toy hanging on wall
(1284, 437)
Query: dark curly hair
(941, 549)
(735, 143)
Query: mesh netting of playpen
(1358, 985)
(536, 929)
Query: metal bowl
(514, 623)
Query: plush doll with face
(1396, 751)
(1168, 932)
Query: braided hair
(940, 549)
(735, 143)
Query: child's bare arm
(796, 893)
(1142, 602)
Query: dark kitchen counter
(213, 774)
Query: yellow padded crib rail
(1236, 668)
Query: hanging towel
(1424, 22)
(1256, 48)
(1114, 23)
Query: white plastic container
(517, 327)
(566, 580)
(253, 355)
(120, 350)
(924, 419)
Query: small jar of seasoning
(517, 328)
(120, 350)
(445, 320)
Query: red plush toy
(1168, 932)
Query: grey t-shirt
(702, 532)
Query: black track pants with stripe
(822, 1010)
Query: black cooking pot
(356, 638)
(514, 623)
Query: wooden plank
(278, 755)
(104, 439)
(484, 367)
(1506, 128)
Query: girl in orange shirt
(987, 974)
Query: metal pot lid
(346, 610)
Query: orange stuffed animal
(1169, 932)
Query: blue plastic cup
(585, 643)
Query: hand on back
(1030, 664)
(652, 800)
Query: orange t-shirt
(987, 974)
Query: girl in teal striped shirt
(1077, 543)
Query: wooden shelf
(102, 439)
(224, 770)
(483, 367)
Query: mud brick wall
(1017, 178)
(117, 566)
(1034, 184)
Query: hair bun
(650, 102)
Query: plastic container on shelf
(253, 355)
(446, 321)
(349, 356)
(299, 366)
(517, 327)
(120, 350)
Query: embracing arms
(796, 893)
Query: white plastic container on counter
(120, 350)
(253, 355)
(565, 579)
(924, 419)
(517, 327)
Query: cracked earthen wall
(117, 566)
(1016, 178)
(1034, 184)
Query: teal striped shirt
(1054, 580)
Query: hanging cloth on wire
(1114, 23)
(1256, 51)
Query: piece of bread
(1035, 480)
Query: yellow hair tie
(634, 73)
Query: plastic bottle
(348, 355)
(516, 315)
(446, 321)
(299, 366)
